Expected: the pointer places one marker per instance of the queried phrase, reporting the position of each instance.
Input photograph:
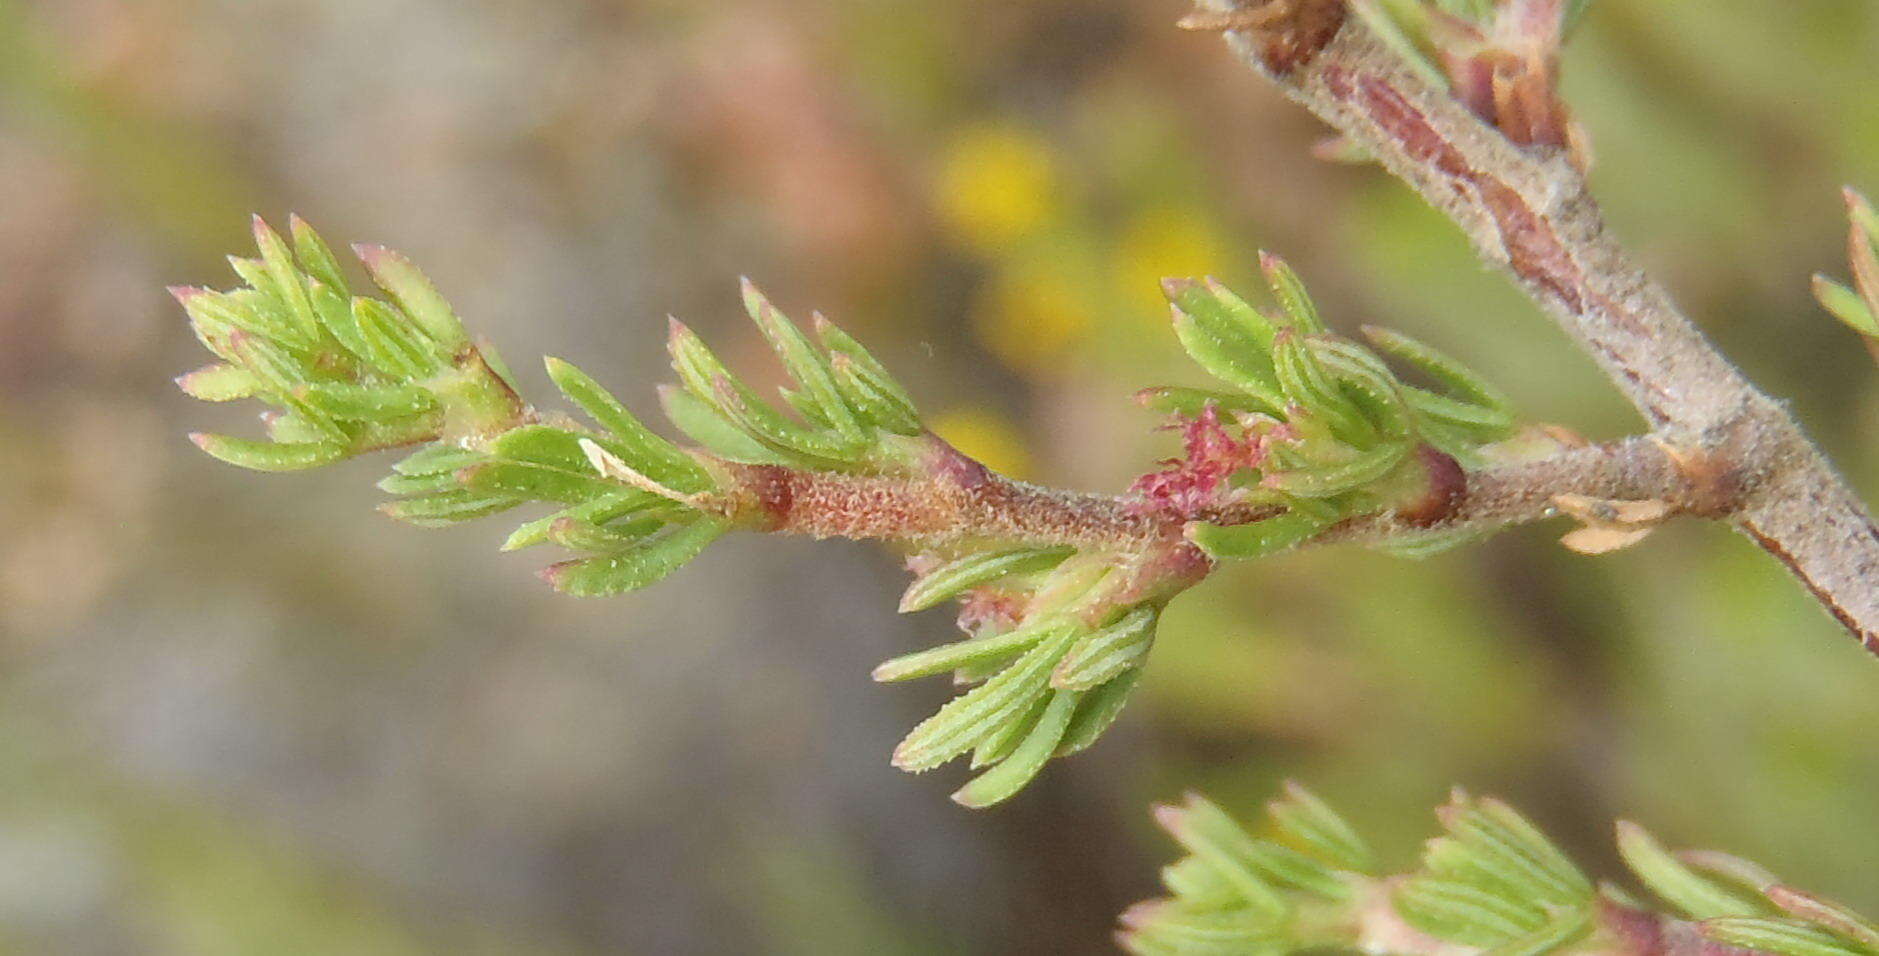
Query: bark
(1527, 210)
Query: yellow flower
(1162, 242)
(986, 436)
(1032, 312)
(996, 185)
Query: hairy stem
(965, 501)
(1528, 210)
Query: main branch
(1528, 210)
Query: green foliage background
(242, 713)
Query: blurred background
(243, 713)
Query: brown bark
(1528, 210)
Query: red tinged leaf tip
(184, 294)
(1176, 286)
(1140, 915)
(371, 253)
(202, 440)
(1170, 818)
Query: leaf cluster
(1491, 882)
(1043, 679)
(1349, 426)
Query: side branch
(969, 502)
(1528, 210)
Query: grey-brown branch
(1528, 210)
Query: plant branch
(1305, 880)
(963, 501)
(1528, 210)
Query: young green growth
(1491, 883)
(1060, 594)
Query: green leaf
(218, 383)
(639, 446)
(269, 456)
(1563, 929)
(1289, 291)
(963, 574)
(1179, 931)
(1784, 937)
(1441, 367)
(316, 258)
(348, 402)
(1308, 384)
(1311, 823)
(293, 428)
(702, 424)
(288, 284)
(803, 362)
(1258, 538)
(1209, 833)
(1100, 657)
(707, 378)
(396, 484)
(1677, 884)
(1099, 709)
(586, 536)
(1011, 774)
(1325, 481)
(1491, 846)
(244, 310)
(946, 657)
(1426, 544)
(448, 508)
(1846, 305)
(1490, 822)
(770, 427)
(1199, 884)
(335, 315)
(643, 565)
(1367, 382)
(544, 445)
(865, 366)
(613, 505)
(1825, 913)
(970, 717)
(999, 744)
(538, 482)
(414, 294)
(438, 457)
(1225, 349)
(872, 399)
(1269, 862)
(1463, 913)
(1480, 422)
(393, 343)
